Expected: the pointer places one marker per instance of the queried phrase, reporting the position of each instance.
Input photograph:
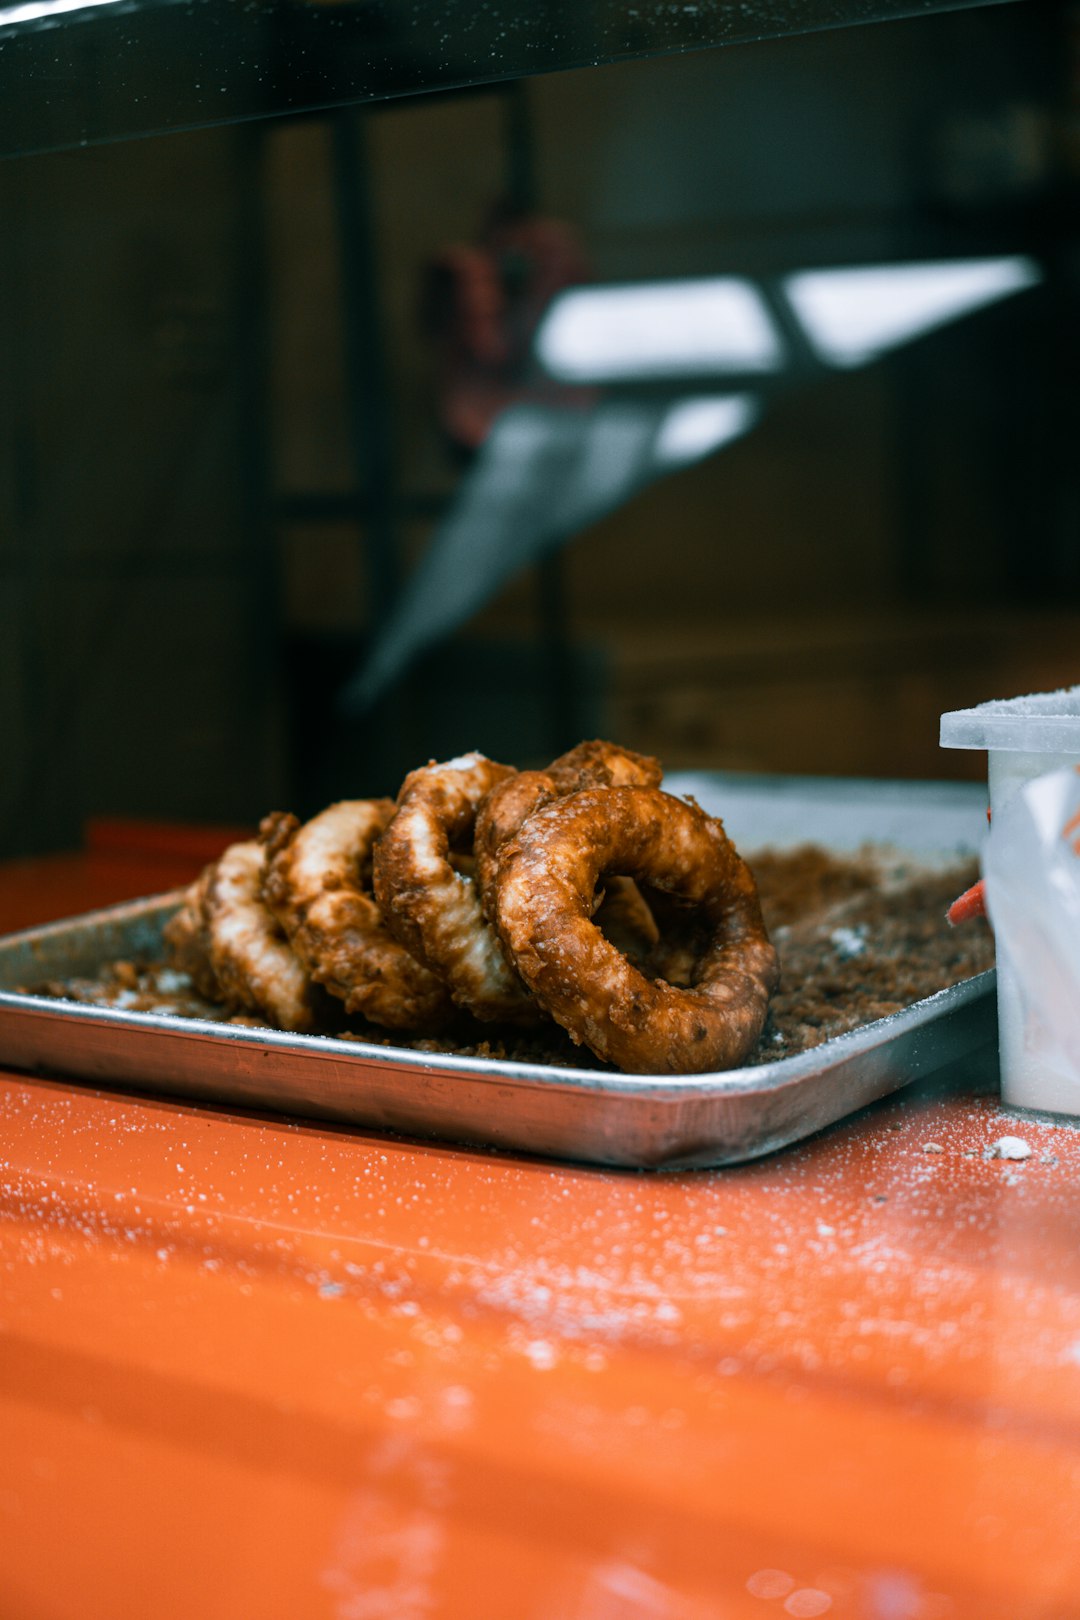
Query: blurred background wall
(216, 383)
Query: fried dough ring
(544, 892)
(315, 886)
(620, 910)
(509, 804)
(253, 964)
(434, 910)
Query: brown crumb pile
(858, 937)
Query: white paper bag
(1031, 863)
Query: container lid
(1044, 722)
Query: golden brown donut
(253, 964)
(544, 891)
(509, 804)
(604, 764)
(317, 884)
(434, 909)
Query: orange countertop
(255, 1367)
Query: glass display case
(383, 381)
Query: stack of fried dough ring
(582, 894)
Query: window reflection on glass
(37, 10)
(659, 329)
(719, 326)
(852, 316)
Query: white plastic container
(1025, 737)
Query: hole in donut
(463, 861)
(681, 937)
(625, 918)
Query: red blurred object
(123, 859)
(972, 903)
(481, 305)
(170, 840)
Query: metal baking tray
(636, 1121)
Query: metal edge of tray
(632, 1121)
